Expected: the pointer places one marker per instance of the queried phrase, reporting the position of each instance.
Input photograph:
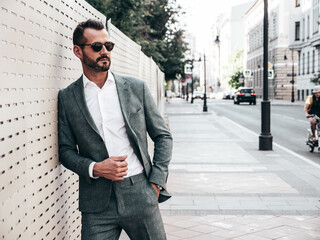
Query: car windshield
(247, 91)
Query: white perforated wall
(38, 196)
(128, 59)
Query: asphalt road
(288, 123)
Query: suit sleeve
(160, 135)
(68, 151)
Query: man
(312, 106)
(104, 119)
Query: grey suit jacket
(80, 142)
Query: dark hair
(78, 37)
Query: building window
(313, 60)
(308, 27)
(298, 95)
(302, 94)
(299, 62)
(303, 29)
(303, 61)
(297, 3)
(297, 33)
(318, 60)
(315, 16)
(308, 63)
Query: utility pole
(265, 138)
(205, 108)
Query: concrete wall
(38, 196)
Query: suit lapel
(123, 88)
(78, 92)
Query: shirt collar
(86, 80)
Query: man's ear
(77, 51)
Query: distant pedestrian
(104, 119)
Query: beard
(93, 64)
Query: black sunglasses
(97, 46)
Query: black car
(245, 94)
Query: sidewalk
(276, 102)
(224, 188)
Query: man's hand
(113, 168)
(155, 188)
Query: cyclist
(312, 106)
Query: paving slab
(223, 187)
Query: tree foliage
(235, 69)
(152, 24)
(316, 79)
(234, 80)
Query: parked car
(233, 94)
(212, 95)
(245, 94)
(197, 94)
(227, 95)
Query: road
(288, 123)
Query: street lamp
(205, 108)
(192, 85)
(292, 73)
(265, 138)
(217, 41)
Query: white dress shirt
(104, 106)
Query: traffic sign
(188, 69)
(270, 74)
(247, 73)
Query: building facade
(229, 29)
(305, 40)
(282, 60)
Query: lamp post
(192, 84)
(217, 41)
(205, 108)
(265, 138)
(187, 91)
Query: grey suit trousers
(133, 207)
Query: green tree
(235, 69)
(316, 79)
(174, 55)
(234, 80)
(153, 25)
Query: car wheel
(250, 103)
(254, 103)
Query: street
(288, 122)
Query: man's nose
(104, 49)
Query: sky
(200, 15)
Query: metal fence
(38, 196)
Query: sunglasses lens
(109, 46)
(96, 46)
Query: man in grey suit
(103, 124)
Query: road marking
(307, 160)
(302, 121)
